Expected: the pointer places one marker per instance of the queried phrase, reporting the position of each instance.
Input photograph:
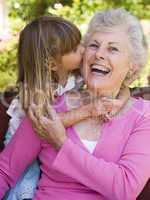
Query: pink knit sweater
(117, 170)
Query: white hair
(109, 19)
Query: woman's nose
(100, 53)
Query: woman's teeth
(100, 69)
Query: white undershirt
(90, 145)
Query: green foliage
(142, 80)
(26, 9)
(81, 10)
(8, 66)
(78, 11)
(30, 9)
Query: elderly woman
(96, 159)
(110, 160)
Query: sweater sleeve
(17, 155)
(122, 180)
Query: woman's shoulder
(137, 109)
(141, 103)
(141, 107)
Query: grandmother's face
(107, 61)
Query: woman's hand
(54, 129)
(50, 125)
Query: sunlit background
(14, 14)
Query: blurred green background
(19, 12)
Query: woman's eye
(92, 45)
(113, 49)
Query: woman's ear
(133, 68)
(131, 75)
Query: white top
(16, 113)
(72, 83)
(69, 85)
(90, 145)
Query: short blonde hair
(108, 19)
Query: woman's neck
(125, 108)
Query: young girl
(49, 49)
(42, 44)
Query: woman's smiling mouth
(100, 70)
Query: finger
(113, 113)
(108, 106)
(52, 113)
(104, 118)
(31, 114)
(118, 103)
(47, 124)
(44, 120)
(52, 138)
(35, 109)
(33, 117)
(106, 98)
(106, 101)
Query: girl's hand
(113, 106)
(118, 103)
(106, 107)
(99, 108)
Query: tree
(28, 9)
(78, 11)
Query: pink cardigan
(117, 170)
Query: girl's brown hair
(43, 40)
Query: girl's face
(70, 62)
(107, 61)
(73, 59)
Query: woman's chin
(96, 85)
(102, 89)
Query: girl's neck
(63, 77)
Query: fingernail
(43, 119)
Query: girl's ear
(52, 65)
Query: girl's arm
(97, 108)
(53, 124)
(76, 115)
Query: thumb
(52, 113)
(45, 121)
(118, 103)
